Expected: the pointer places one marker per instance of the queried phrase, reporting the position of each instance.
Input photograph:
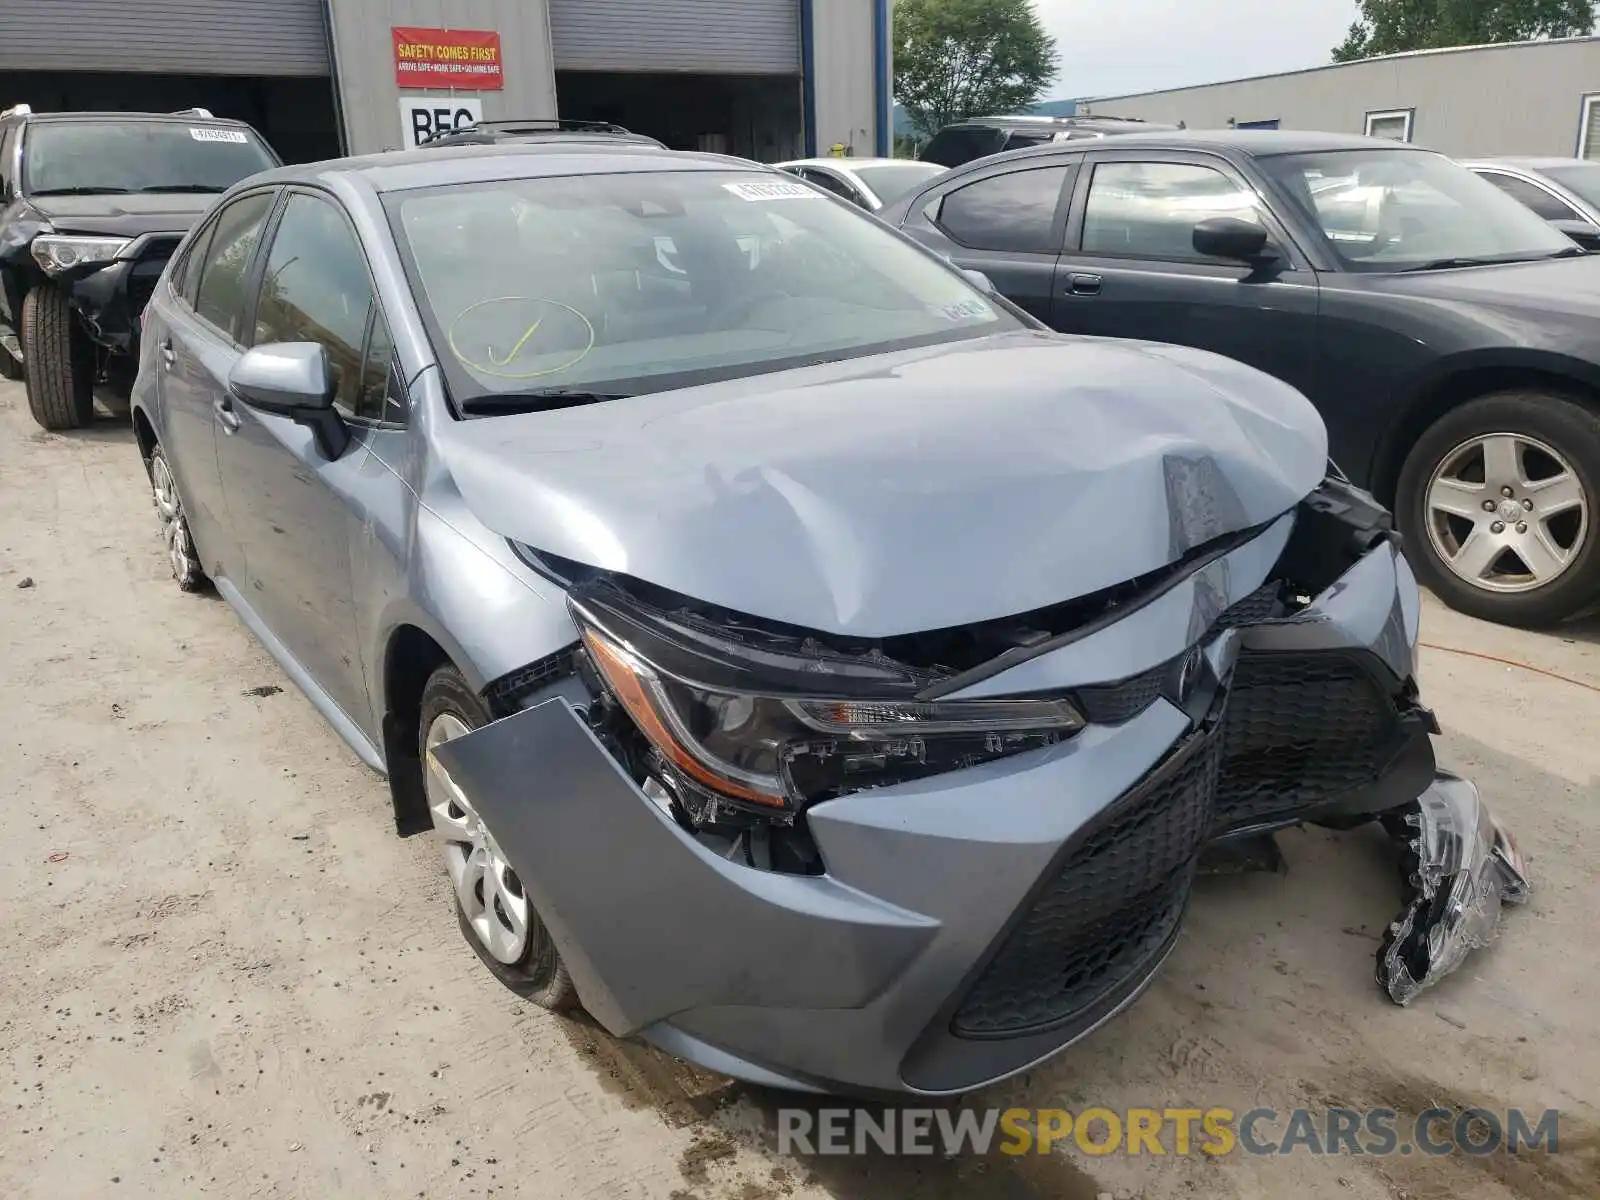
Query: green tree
(961, 58)
(1393, 26)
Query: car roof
(850, 164)
(1532, 163)
(181, 118)
(1258, 143)
(403, 170)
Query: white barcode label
(775, 190)
(218, 135)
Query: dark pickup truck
(91, 207)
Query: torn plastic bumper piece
(1462, 866)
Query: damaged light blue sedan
(805, 661)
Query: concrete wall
(364, 57)
(846, 91)
(1525, 98)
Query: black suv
(1448, 335)
(91, 207)
(539, 129)
(978, 137)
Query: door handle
(226, 416)
(167, 355)
(1081, 283)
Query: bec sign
(423, 117)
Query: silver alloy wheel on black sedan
(1507, 512)
(1498, 503)
(175, 535)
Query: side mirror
(1585, 234)
(1230, 237)
(292, 379)
(980, 281)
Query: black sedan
(1450, 338)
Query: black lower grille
(1110, 907)
(1299, 729)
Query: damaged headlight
(1461, 865)
(59, 253)
(760, 727)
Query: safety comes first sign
(464, 59)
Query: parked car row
(679, 540)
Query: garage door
(182, 37)
(755, 37)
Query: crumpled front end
(928, 863)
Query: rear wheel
(1498, 498)
(60, 359)
(496, 916)
(174, 521)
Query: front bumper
(972, 924)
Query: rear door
(1007, 222)
(1130, 268)
(198, 340)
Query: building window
(1589, 128)
(1272, 124)
(1394, 124)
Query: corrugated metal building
(1536, 98)
(768, 79)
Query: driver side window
(1150, 209)
(316, 289)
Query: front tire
(60, 360)
(1498, 504)
(496, 916)
(10, 368)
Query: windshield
(619, 284)
(94, 157)
(1392, 210)
(890, 181)
(1582, 179)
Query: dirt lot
(221, 974)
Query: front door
(291, 506)
(1130, 268)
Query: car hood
(904, 492)
(1569, 286)
(124, 216)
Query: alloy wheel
(170, 513)
(1506, 512)
(487, 887)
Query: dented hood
(904, 492)
(125, 216)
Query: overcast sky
(1111, 47)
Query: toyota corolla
(805, 661)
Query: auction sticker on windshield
(962, 310)
(776, 190)
(218, 135)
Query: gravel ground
(221, 974)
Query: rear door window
(1015, 211)
(225, 269)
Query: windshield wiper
(1498, 260)
(81, 191)
(541, 401)
(207, 188)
